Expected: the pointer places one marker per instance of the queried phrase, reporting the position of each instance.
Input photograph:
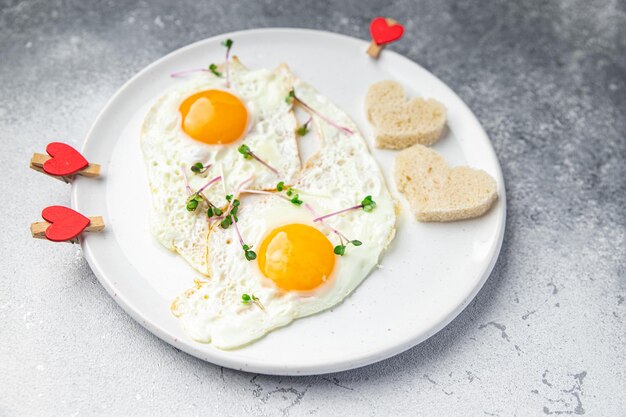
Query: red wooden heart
(66, 223)
(65, 160)
(383, 33)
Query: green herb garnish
(213, 211)
(228, 43)
(295, 200)
(293, 99)
(226, 222)
(193, 201)
(213, 69)
(368, 204)
(231, 215)
(304, 129)
(197, 168)
(341, 248)
(250, 299)
(292, 196)
(249, 253)
(247, 153)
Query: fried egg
(296, 272)
(201, 119)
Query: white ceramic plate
(431, 272)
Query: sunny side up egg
(201, 120)
(296, 273)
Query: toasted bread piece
(438, 193)
(399, 123)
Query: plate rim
(256, 366)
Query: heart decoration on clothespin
(63, 162)
(62, 224)
(383, 31)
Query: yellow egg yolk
(296, 257)
(214, 117)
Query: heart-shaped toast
(399, 123)
(66, 223)
(64, 160)
(439, 193)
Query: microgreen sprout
(247, 154)
(228, 43)
(213, 69)
(295, 200)
(234, 210)
(247, 249)
(230, 213)
(249, 253)
(292, 196)
(341, 248)
(304, 129)
(194, 200)
(292, 99)
(199, 168)
(213, 211)
(343, 240)
(245, 151)
(367, 204)
(251, 298)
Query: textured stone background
(546, 335)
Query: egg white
(338, 176)
(167, 151)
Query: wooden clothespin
(63, 162)
(62, 224)
(383, 31)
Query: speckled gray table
(547, 333)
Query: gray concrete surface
(545, 336)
